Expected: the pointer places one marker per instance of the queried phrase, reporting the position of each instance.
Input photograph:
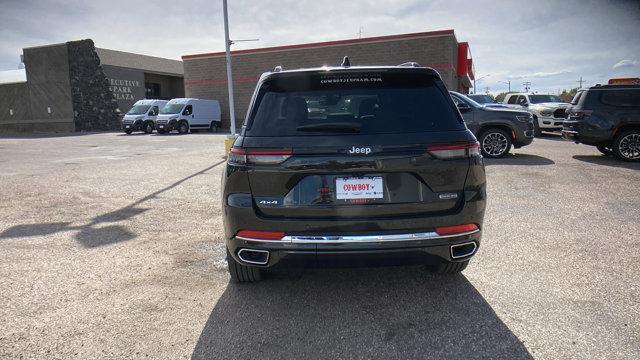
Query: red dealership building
(205, 74)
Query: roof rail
(277, 68)
(410, 64)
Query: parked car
(549, 111)
(186, 114)
(397, 179)
(486, 100)
(607, 117)
(142, 116)
(496, 129)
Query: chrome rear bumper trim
(350, 239)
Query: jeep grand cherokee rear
(352, 166)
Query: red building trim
(325, 43)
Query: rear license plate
(161, 126)
(127, 126)
(359, 188)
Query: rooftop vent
(410, 64)
(345, 62)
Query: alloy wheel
(495, 144)
(630, 146)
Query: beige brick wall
(205, 78)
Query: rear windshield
(353, 103)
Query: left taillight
(259, 157)
(455, 151)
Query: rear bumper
(358, 250)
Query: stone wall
(94, 105)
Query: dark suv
(607, 117)
(497, 129)
(352, 166)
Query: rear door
(356, 144)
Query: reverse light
(456, 229)
(455, 151)
(260, 235)
(260, 157)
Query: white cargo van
(189, 114)
(142, 116)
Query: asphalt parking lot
(111, 246)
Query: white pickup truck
(549, 111)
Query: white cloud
(626, 63)
(539, 75)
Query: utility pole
(527, 86)
(360, 32)
(227, 43)
(486, 90)
(580, 82)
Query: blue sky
(549, 43)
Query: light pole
(508, 83)
(475, 91)
(227, 43)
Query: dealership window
(152, 90)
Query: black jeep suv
(352, 166)
(497, 129)
(608, 117)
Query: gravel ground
(111, 247)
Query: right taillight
(455, 151)
(258, 157)
(580, 114)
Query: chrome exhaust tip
(460, 251)
(254, 256)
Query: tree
(500, 97)
(566, 96)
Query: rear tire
(605, 150)
(626, 146)
(448, 267)
(183, 127)
(495, 143)
(240, 273)
(213, 127)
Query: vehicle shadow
(93, 234)
(607, 161)
(380, 313)
(519, 159)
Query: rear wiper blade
(338, 127)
